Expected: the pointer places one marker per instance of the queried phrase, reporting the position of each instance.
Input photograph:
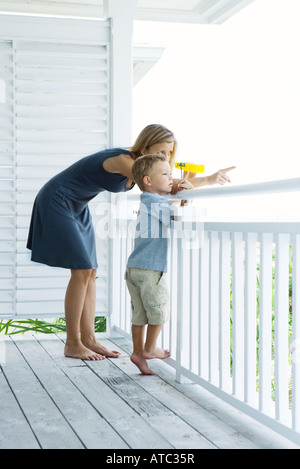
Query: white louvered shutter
(54, 110)
(7, 181)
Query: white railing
(235, 306)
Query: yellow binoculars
(190, 167)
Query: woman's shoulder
(117, 151)
(119, 161)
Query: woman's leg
(87, 322)
(74, 303)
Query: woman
(61, 232)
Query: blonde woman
(61, 233)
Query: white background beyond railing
(235, 306)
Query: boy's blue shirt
(152, 233)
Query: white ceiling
(188, 11)
(144, 57)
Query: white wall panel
(54, 109)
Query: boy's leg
(137, 356)
(138, 333)
(155, 296)
(150, 349)
(139, 320)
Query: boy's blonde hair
(152, 134)
(142, 167)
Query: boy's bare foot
(78, 350)
(142, 364)
(98, 348)
(156, 353)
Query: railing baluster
(213, 308)
(194, 305)
(296, 335)
(183, 318)
(128, 249)
(179, 314)
(122, 285)
(173, 279)
(265, 323)
(115, 278)
(184, 285)
(203, 307)
(238, 315)
(224, 312)
(250, 319)
(281, 327)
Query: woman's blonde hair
(152, 134)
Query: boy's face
(160, 179)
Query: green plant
(13, 326)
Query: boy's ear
(147, 180)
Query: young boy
(147, 265)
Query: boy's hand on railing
(184, 184)
(187, 185)
(220, 177)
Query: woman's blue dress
(61, 232)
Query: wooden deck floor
(52, 402)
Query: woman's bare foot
(78, 350)
(141, 363)
(156, 353)
(98, 348)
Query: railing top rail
(254, 227)
(269, 187)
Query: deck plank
(90, 427)
(172, 427)
(51, 401)
(208, 425)
(126, 422)
(15, 431)
(42, 414)
(219, 421)
(157, 414)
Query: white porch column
(122, 14)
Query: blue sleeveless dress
(61, 232)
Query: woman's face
(164, 148)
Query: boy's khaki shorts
(149, 296)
